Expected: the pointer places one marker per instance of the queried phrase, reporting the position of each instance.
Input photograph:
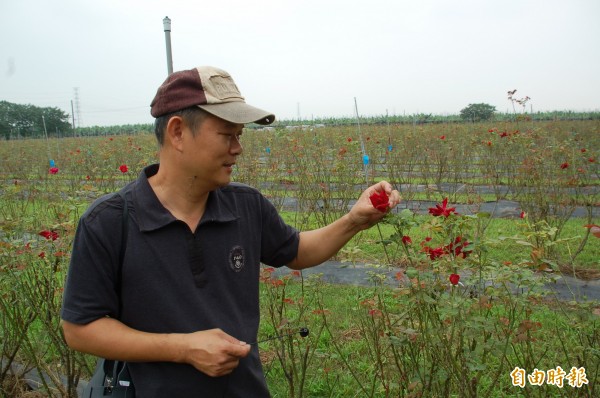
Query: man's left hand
(364, 214)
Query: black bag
(111, 378)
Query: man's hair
(193, 117)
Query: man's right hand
(214, 352)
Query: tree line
(29, 121)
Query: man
(184, 301)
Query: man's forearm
(109, 338)
(321, 244)
(212, 352)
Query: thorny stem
(389, 262)
(339, 352)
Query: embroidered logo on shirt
(236, 258)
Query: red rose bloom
(454, 278)
(53, 170)
(380, 201)
(123, 168)
(406, 240)
(564, 165)
(434, 253)
(594, 229)
(50, 235)
(457, 247)
(442, 210)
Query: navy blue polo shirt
(176, 281)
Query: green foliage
(477, 112)
(422, 337)
(421, 118)
(27, 121)
(129, 129)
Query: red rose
(123, 168)
(564, 165)
(53, 170)
(454, 278)
(50, 235)
(442, 210)
(406, 240)
(434, 253)
(457, 247)
(594, 229)
(380, 201)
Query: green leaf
(524, 243)
(411, 272)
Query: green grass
(557, 339)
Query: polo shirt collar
(152, 215)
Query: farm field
(525, 196)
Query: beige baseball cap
(211, 89)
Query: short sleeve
(279, 240)
(90, 290)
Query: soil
(583, 287)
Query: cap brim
(239, 112)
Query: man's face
(211, 153)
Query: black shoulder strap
(113, 376)
(124, 233)
(124, 229)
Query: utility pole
(73, 117)
(77, 107)
(167, 28)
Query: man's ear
(174, 132)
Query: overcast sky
(309, 58)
